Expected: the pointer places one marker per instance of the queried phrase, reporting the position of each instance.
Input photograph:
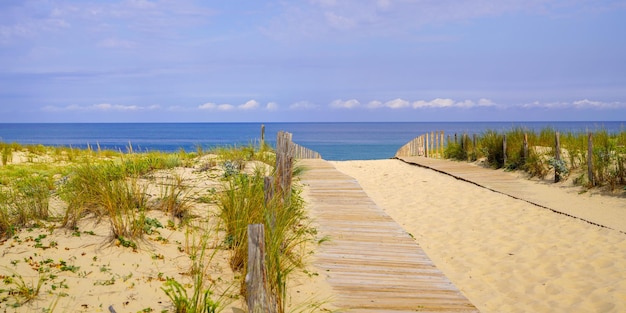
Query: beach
(504, 254)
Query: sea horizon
(333, 140)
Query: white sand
(86, 271)
(505, 255)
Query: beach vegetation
(608, 154)
(19, 289)
(244, 202)
(143, 195)
(203, 297)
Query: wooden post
(432, 144)
(557, 157)
(441, 140)
(262, 135)
(592, 180)
(455, 140)
(436, 148)
(258, 295)
(285, 151)
(504, 150)
(426, 152)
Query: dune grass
(113, 187)
(608, 156)
(286, 228)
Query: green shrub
(491, 148)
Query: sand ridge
(504, 254)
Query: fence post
(436, 141)
(441, 140)
(592, 181)
(432, 145)
(504, 150)
(557, 157)
(426, 151)
(284, 161)
(258, 295)
(262, 135)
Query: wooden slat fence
(430, 145)
(301, 152)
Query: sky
(312, 60)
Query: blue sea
(334, 141)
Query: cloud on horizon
(102, 107)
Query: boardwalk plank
(370, 262)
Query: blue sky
(317, 60)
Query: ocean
(334, 141)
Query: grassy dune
(82, 230)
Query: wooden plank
(372, 264)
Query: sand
(83, 270)
(504, 254)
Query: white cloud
(302, 105)
(389, 18)
(348, 104)
(272, 106)
(207, 106)
(397, 103)
(450, 103)
(578, 104)
(225, 107)
(252, 104)
(339, 21)
(485, 102)
(374, 104)
(586, 103)
(101, 107)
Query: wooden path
(372, 264)
(556, 199)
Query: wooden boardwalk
(372, 264)
(557, 199)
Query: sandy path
(504, 254)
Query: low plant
(21, 290)
(202, 298)
(174, 199)
(492, 148)
(7, 154)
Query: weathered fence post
(592, 180)
(557, 157)
(432, 145)
(284, 164)
(504, 150)
(436, 134)
(262, 135)
(441, 140)
(258, 296)
(426, 151)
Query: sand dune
(505, 255)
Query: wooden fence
(259, 296)
(295, 150)
(430, 145)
